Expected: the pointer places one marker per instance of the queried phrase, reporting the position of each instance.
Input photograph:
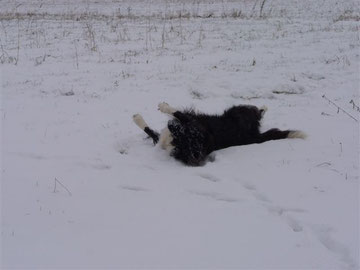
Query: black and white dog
(190, 136)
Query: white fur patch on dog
(139, 121)
(263, 110)
(165, 140)
(165, 108)
(297, 134)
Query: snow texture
(82, 186)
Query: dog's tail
(276, 134)
(139, 121)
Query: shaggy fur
(190, 137)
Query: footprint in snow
(101, 166)
(314, 76)
(261, 197)
(98, 166)
(134, 188)
(294, 224)
(324, 235)
(278, 211)
(289, 89)
(209, 177)
(214, 196)
(249, 186)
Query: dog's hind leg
(166, 108)
(140, 122)
(276, 134)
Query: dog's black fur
(196, 135)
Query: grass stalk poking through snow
(339, 108)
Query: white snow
(82, 187)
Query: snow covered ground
(82, 187)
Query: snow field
(82, 186)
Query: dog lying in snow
(190, 136)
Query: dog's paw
(164, 107)
(136, 117)
(297, 134)
(139, 121)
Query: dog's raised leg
(140, 122)
(166, 108)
